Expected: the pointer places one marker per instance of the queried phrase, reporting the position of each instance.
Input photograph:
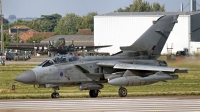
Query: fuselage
(76, 70)
(69, 70)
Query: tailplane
(151, 42)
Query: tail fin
(60, 43)
(152, 41)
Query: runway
(138, 104)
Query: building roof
(20, 26)
(32, 33)
(147, 13)
(84, 32)
(79, 40)
(15, 29)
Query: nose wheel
(93, 93)
(55, 94)
(122, 92)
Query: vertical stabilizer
(152, 41)
(60, 43)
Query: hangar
(123, 28)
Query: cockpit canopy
(58, 60)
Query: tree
(5, 24)
(46, 23)
(68, 25)
(19, 22)
(13, 17)
(156, 7)
(7, 39)
(120, 10)
(51, 21)
(36, 39)
(142, 6)
(88, 21)
(16, 38)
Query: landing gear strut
(94, 93)
(122, 92)
(55, 94)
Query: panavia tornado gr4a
(135, 65)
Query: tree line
(143, 6)
(67, 25)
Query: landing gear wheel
(93, 93)
(55, 95)
(122, 92)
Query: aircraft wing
(26, 48)
(144, 67)
(97, 47)
(91, 47)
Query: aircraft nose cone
(27, 77)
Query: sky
(36, 8)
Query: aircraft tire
(122, 92)
(55, 95)
(93, 93)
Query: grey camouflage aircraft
(135, 65)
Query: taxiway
(129, 104)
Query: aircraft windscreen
(57, 60)
(42, 63)
(46, 63)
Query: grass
(187, 84)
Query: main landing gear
(93, 93)
(122, 92)
(55, 94)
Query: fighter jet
(135, 65)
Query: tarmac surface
(128, 104)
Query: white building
(123, 28)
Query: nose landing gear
(55, 94)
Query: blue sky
(36, 8)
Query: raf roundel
(61, 74)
